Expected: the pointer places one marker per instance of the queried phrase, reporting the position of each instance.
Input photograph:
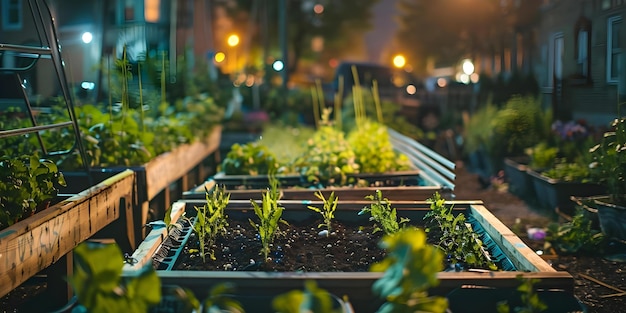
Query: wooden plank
(169, 167)
(524, 258)
(35, 243)
(143, 254)
(402, 193)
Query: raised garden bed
(179, 169)
(554, 194)
(33, 244)
(355, 284)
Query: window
(555, 59)
(11, 14)
(583, 47)
(583, 52)
(613, 49)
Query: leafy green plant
(99, 286)
(568, 172)
(520, 124)
(542, 156)
(410, 269)
(608, 165)
(328, 157)
(328, 209)
(530, 298)
(249, 159)
(383, 215)
(26, 183)
(269, 214)
(211, 220)
(312, 299)
(374, 151)
(459, 243)
(575, 236)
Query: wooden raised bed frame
(357, 285)
(409, 192)
(43, 239)
(155, 178)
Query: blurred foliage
(410, 270)
(391, 112)
(249, 159)
(374, 151)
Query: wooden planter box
(357, 285)
(556, 195)
(37, 242)
(395, 186)
(156, 179)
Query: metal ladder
(49, 49)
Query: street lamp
(233, 40)
(399, 61)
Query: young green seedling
(211, 220)
(328, 209)
(457, 239)
(269, 214)
(383, 215)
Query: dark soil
(299, 247)
(592, 274)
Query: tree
(337, 24)
(447, 30)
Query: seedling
(269, 214)
(211, 220)
(457, 240)
(328, 209)
(383, 215)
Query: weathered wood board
(35, 243)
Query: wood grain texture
(169, 167)
(35, 243)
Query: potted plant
(609, 169)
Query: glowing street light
(468, 67)
(399, 61)
(233, 40)
(219, 57)
(87, 37)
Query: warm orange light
(151, 10)
(399, 61)
(219, 57)
(233, 40)
(318, 9)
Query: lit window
(11, 14)
(151, 10)
(613, 49)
